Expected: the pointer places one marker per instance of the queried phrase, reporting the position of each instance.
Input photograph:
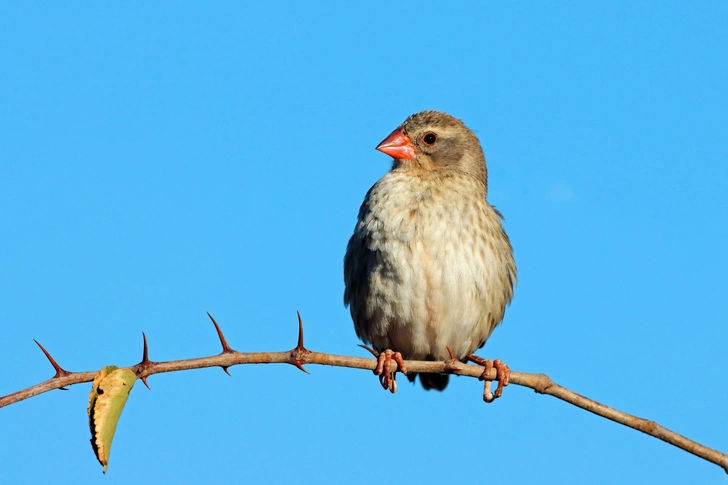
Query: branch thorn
(297, 354)
(145, 352)
(300, 346)
(452, 363)
(299, 364)
(60, 371)
(449, 351)
(145, 363)
(226, 349)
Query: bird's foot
(502, 374)
(387, 377)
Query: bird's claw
(502, 374)
(387, 377)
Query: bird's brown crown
(432, 118)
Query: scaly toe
(387, 375)
(502, 375)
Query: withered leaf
(109, 392)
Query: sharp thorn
(226, 349)
(452, 362)
(449, 351)
(299, 365)
(225, 368)
(300, 346)
(297, 355)
(145, 352)
(62, 388)
(60, 371)
(373, 352)
(145, 364)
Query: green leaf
(109, 392)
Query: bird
(429, 269)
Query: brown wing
(358, 266)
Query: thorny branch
(299, 356)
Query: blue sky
(158, 161)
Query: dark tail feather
(431, 381)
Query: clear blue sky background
(162, 160)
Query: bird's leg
(384, 370)
(502, 374)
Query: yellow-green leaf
(109, 392)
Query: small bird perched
(429, 268)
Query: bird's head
(432, 141)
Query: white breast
(440, 269)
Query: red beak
(397, 145)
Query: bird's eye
(429, 139)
